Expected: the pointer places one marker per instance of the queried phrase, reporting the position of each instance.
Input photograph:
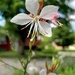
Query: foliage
(7, 54)
(61, 4)
(45, 48)
(16, 72)
(2, 31)
(63, 36)
(67, 69)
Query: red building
(5, 43)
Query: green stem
(20, 60)
(11, 66)
(28, 58)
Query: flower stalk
(28, 58)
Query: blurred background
(13, 39)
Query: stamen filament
(30, 30)
(26, 25)
(33, 34)
(60, 24)
(35, 29)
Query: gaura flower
(31, 69)
(44, 72)
(36, 21)
(54, 20)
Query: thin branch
(11, 66)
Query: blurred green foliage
(63, 36)
(46, 45)
(68, 67)
(16, 72)
(11, 54)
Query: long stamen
(26, 25)
(35, 29)
(33, 35)
(30, 30)
(32, 38)
(60, 24)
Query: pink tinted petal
(32, 6)
(56, 16)
(54, 22)
(48, 12)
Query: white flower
(31, 69)
(43, 72)
(38, 25)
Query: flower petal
(31, 69)
(21, 19)
(32, 6)
(54, 22)
(43, 72)
(45, 27)
(48, 12)
(51, 74)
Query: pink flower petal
(56, 16)
(54, 19)
(54, 22)
(48, 12)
